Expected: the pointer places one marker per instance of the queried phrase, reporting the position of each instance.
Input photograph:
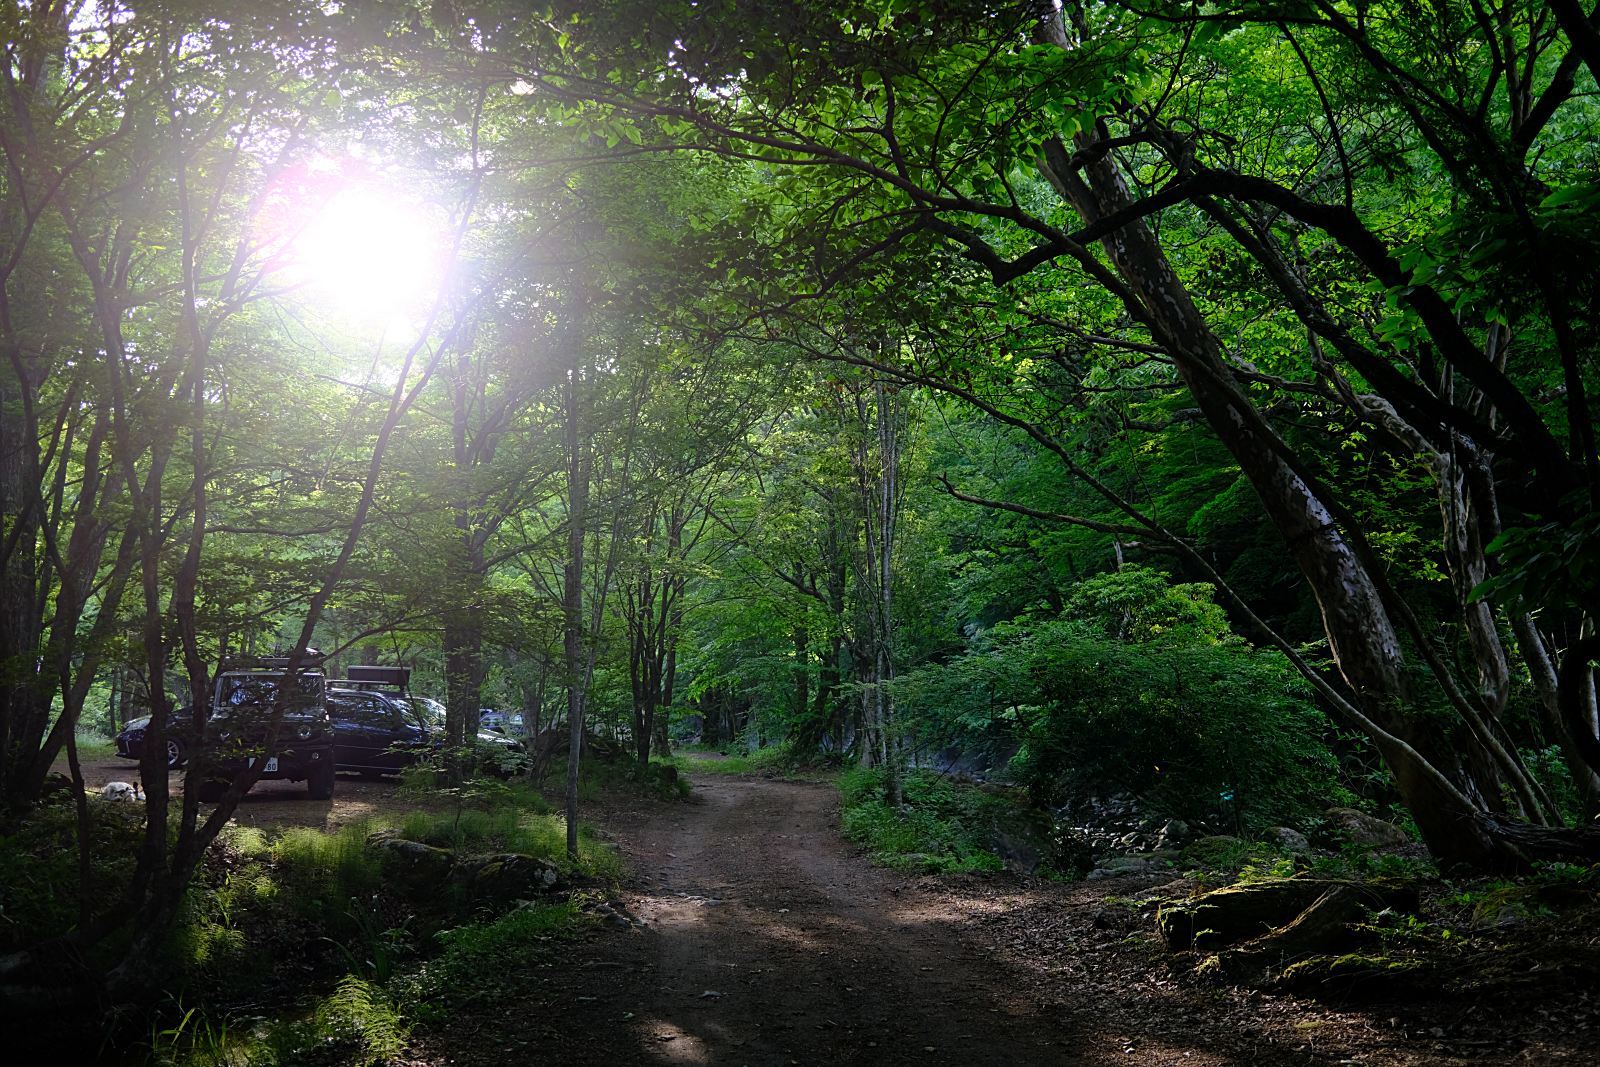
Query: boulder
(1349, 826)
(505, 877)
(1287, 839)
(411, 863)
(1214, 851)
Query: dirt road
(276, 803)
(767, 939)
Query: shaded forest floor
(750, 933)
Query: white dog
(122, 791)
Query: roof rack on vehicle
(311, 659)
(372, 676)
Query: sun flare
(355, 244)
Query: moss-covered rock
(1358, 977)
(1250, 910)
(413, 865)
(1218, 850)
(505, 877)
(1236, 913)
(1324, 926)
(1347, 826)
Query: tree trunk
(1362, 637)
(22, 714)
(578, 469)
(802, 672)
(463, 676)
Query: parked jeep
(245, 697)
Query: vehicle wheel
(210, 790)
(319, 783)
(175, 754)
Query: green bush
(942, 827)
(1139, 687)
(39, 886)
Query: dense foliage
(1192, 401)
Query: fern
(359, 1014)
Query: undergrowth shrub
(942, 827)
(475, 959)
(307, 907)
(39, 886)
(1138, 686)
(361, 1021)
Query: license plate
(272, 763)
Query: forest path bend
(765, 939)
(817, 956)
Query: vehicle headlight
(304, 732)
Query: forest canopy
(1176, 399)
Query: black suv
(379, 729)
(244, 699)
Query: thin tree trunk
(572, 601)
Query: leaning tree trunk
(1362, 636)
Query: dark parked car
(180, 738)
(378, 733)
(501, 722)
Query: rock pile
(1116, 836)
(1119, 824)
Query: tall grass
(93, 745)
(477, 958)
(317, 869)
